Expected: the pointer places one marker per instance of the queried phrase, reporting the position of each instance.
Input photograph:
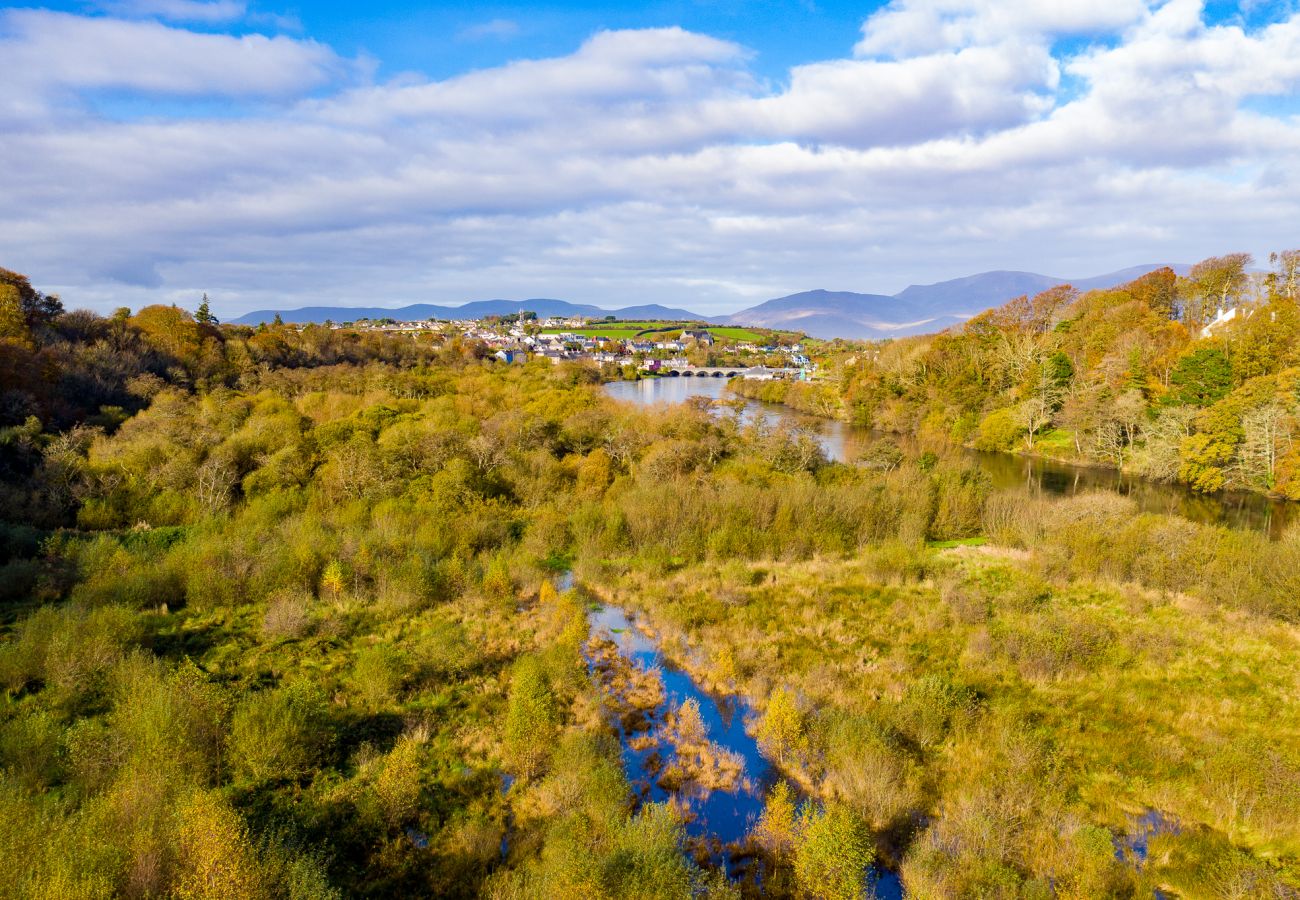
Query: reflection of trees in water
(1006, 471)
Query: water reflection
(847, 443)
(720, 820)
(715, 815)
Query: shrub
(999, 430)
(833, 853)
(277, 733)
(288, 615)
(399, 783)
(531, 718)
(378, 675)
(30, 749)
(931, 705)
(218, 861)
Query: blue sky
(701, 154)
(443, 39)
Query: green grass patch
(958, 542)
(1056, 441)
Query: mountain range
(918, 309)
(419, 312)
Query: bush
(1000, 430)
(833, 853)
(531, 718)
(288, 615)
(277, 734)
(378, 676)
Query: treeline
(65, 376)
(1190, 378)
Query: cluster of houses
(559, 340)
(651, 353)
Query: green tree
(1200, 378)
(203, 315)
(531, 718)
(834, 853)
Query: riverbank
(1238, 509)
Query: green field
(620, 334)
(658, 330)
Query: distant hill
(918, 309)
(828, 314)
(475, 310)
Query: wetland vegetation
(281, 619)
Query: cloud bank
(646, 165)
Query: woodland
(1147, 377)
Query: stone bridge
(701, 372)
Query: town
(621, 348)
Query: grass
(658, 330)
(1055, 442)
(1141, 699)
(959, 542)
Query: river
(845, 443)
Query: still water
(846, 443)
(721, 819)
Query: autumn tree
(37, 309)
(1158, 290)
(782, 730)
(777, 826)
(1213, 285)
(219, 861)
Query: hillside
(918, 309)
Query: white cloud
(49, 55)
(652, 165)
(911, 27)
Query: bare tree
(1284, 280)
(1162, 439)
(1266, 437)
(1033, 414)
